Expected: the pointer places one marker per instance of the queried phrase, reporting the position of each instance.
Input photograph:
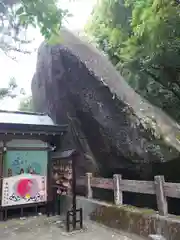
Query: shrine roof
(64, 154)
(28, 121)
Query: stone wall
(142, 222)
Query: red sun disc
(24, 187)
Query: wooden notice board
(62, 176)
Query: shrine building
(27, 141)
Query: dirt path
(42, 228)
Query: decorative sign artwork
(62, 176)
(24, 189)
(19, 162)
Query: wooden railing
(159, 187)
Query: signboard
(62, 176)
(17, 162)
(24, 189)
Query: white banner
(24, 189)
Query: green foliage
(26, 104)
(42, 13)
(17, 15)
(9, 91)
(142, 38)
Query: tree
(26, 104)
(17, 15)
(15, 18)
(142, 38)
(10, 90)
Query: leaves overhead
(42, 13)
(142, 38)
(17, 15)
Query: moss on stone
(136, 220)
(136, 209)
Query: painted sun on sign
(24, 188)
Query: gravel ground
(42, 228)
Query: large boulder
(75, 78)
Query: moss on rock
(136, 220)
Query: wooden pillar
(1, 175)
(118, 197)
(89, 192)
(49, 185)
(160, 195)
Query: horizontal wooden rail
(172, 189)
(158, 187)
(104, 183)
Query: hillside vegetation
(142, 38)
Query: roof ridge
(27, 113)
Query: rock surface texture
(74, 78)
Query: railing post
(89, 193)
(118, 198)
(160, 195)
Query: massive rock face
(75, 78)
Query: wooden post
(118, 198)
(160, 195)
(1, 176)
(89, 192)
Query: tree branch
(163, 83)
